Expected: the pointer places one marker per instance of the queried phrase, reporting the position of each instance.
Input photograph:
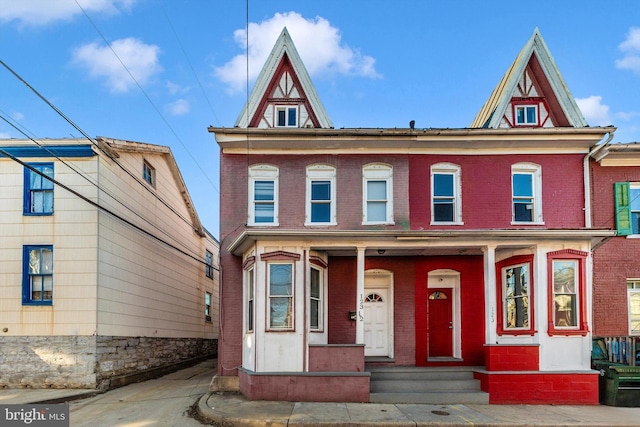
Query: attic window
(287, 116)
(149, 173)
(526, 115)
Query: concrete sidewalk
(235, 410)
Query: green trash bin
(622, 386)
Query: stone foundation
(86, 361)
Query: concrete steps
(436, 386)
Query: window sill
(446, 223)
(320, 224)
(37, 304)
(527, 223)
(529, 332)
(263, 224)
(567, 332)
(378, 223)
(633, 236)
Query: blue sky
(162, 71)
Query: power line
(94, 142)
(166, 122)
(102, 208)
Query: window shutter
(623, 210)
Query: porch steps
(436, 386)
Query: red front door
(440, 326)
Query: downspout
(587, 179)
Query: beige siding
(72, 232)
(146, 287)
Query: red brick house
(357, 262)
(616, 270)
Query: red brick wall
(292, 188)
(486, 188)
(342, 299)
(617, 259)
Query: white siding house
(105, 268)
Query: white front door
(376, 322)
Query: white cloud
(318, 43)
(178, 107)
(175, 88)
(594, 111)
(42, 12)
(140, 59)
(631, 49)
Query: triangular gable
(283, 87)
(534, 81)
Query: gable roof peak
(284, 59)
(535, 63)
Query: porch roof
(416, 242)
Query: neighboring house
(616, 263)
(347, 252)
(105, 268)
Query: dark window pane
(321, 212)
(292, 117)
(315, 283)
(443, 185)
(321, 190)
(282, 118)
(264, 213)
(522, 212)
(531, 115)
(443, 211)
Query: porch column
(360, 296)
(490, 294)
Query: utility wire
(166, 122)
(93, 141)
(175, 34)
(102, 208)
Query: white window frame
(321, 173)
(288, 110)
(524, 107)
(535, 171)
(455, 171)
(633, 287)
(250, 305)
(290, 296)
(262, 173)
(377, 172)
(319, 299)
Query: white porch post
(490, 294)
(360, 296)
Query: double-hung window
(321, 195)
(37, 275)
(515, 294)
(263, 195)
(280, 296)
(286, 116)
(567, 292)
(209, 264)
(526, 191)
(315, 299)
(446, 206)
(38, 189)
(377, 194)
(627, 203)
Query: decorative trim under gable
(278, 255)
